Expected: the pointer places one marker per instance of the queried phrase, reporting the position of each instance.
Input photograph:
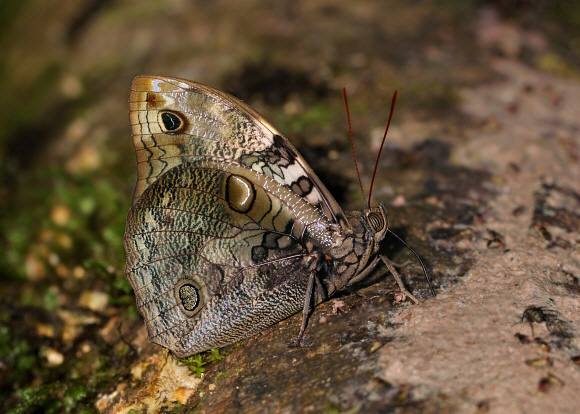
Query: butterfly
(230, 230)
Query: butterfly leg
(403, 264)
(390, 265)
(307, 300)
(296, 342)
(397, 277)
(312, 279)
(364, 274)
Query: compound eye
(376, 221)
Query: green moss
(54, 398)
(117, 285)
(257, 361)
(5, 340)
(19, 355)
(49, 300)
(94, 228)
(554, 64)
(74, 395)
(195, 363)
(198, 363)
(214, 356)
(35, 246)
(221, 374)
(318, 115)
(124, 350)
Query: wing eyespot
(188, 296)
(171, 122)
(240, 193)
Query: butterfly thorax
(358, 245)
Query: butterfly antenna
(382, 145)
(418, 258)
(352, 141)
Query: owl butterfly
(230, 230)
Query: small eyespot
(188, 296)
(376, 221)
(170, 122)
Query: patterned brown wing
(217, 236)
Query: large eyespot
(171, 122)
(376, 221)
(240, 193)
(188, 296)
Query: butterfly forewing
(214, 124)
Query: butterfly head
(377, 221)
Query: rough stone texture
(462, 343)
